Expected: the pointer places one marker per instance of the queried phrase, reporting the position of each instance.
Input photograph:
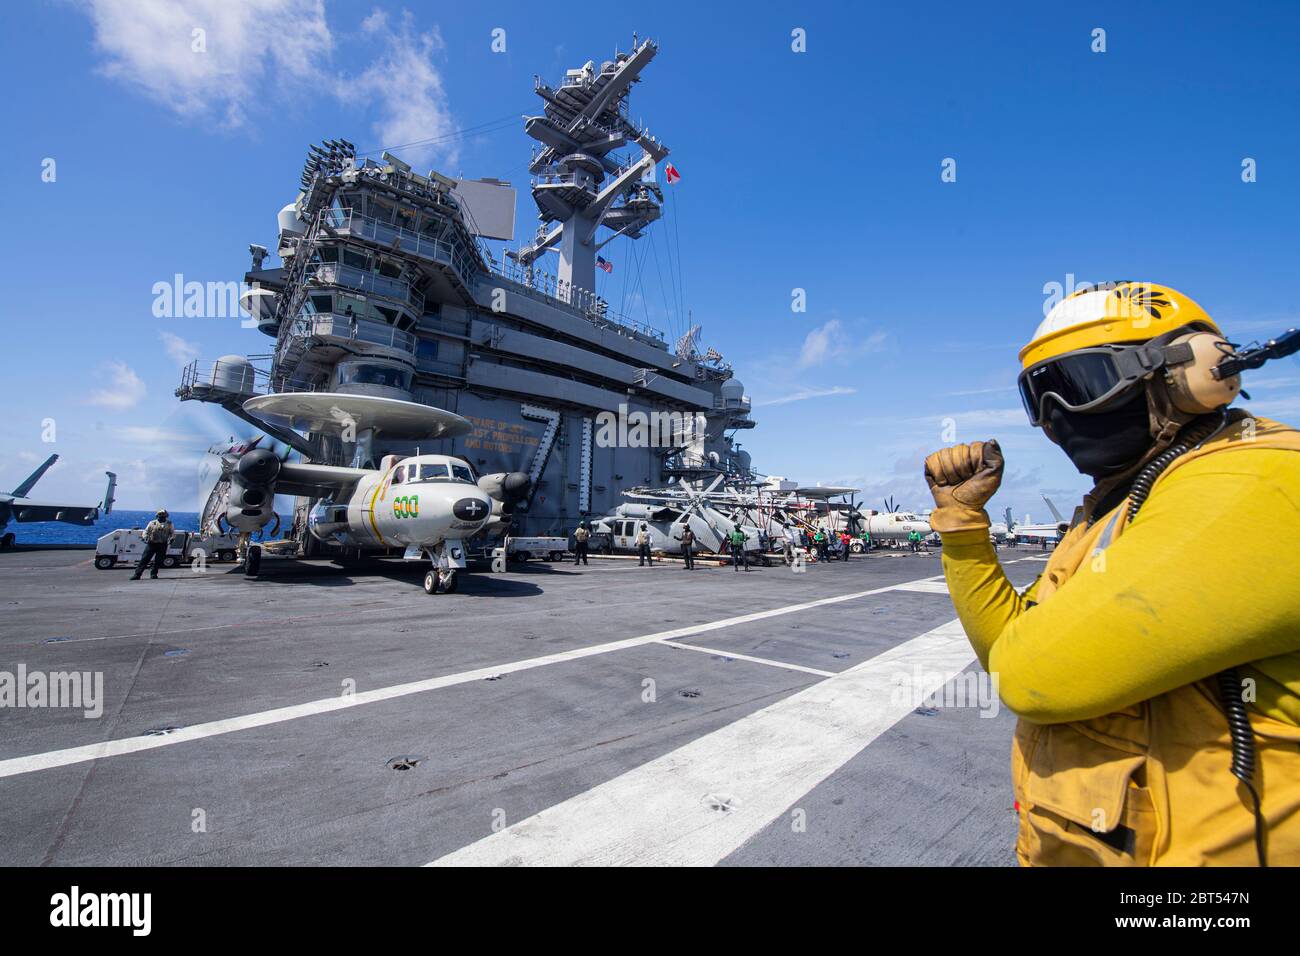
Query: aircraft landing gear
(444, 581)
(253, 561)
(448, 557)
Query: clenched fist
(962, 479)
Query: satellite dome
(290, 222)
(733, 388)
(256, 302)
(233, 373)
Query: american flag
(603, 263)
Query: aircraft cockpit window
(399, 475)
(434, 472)
(462, 473)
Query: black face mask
(1103, 443)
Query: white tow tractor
(127, 544)
(536, 548)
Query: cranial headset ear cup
(1192, 386)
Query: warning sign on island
(493, 434)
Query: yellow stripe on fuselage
(382, 485)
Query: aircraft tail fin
(106, 506)
(1011, 522)
(22, 490)
(1055, 514)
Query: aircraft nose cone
(471, 509)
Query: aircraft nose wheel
(444, 581)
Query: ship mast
(579, 184)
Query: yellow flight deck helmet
(1111, 313)
(1101, 340)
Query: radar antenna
(580, 184)
(688, 346)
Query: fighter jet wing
(30, 483)
(25, 510)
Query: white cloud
(218, 74)
(254, 50)
(981, 391)
(408, 90)
(821, 343)
(985, 418)
(831, 342)
(152, 435)
(160, 481)
(125, 389)
(807, 393)
(181, 352)
(966, 421)
(1254, 384)
(1276, 408)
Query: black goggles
(1089, 379)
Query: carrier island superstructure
(388, 288)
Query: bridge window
(426, 350)
(375, 375)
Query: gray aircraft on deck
(16, 506)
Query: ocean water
(54, 532)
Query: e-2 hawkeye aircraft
(426, 504)
(16, 506)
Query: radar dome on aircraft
(233, 373)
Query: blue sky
(817, 171)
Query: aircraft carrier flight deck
(325, 714)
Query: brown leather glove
(962, 479)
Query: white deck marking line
(129, 745)
(925, 587)
(752, 660)
(666, 812)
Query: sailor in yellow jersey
(1124, 658)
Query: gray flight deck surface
(493, 749)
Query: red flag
(671, 175)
